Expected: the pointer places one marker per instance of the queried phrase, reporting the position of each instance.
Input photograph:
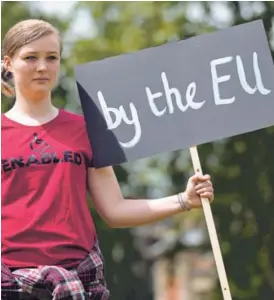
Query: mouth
(41, 79)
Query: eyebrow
(35, 52)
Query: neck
(33, 107)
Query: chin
(39, 94)
(43, 87)
(37, 91)
(44, 90)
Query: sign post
(203, 89)
(212, 231)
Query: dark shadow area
(106, 148)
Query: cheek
(54, 70)
(22, 72)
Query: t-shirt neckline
(33, 126)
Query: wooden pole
(212, 231)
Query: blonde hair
(18, 36)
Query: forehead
(49, 43)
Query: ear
(8, 63)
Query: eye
(52, 57)
(30, 57)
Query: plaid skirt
(85, 282)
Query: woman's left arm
(119, 212)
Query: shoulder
(4, 119)
(6, 123)
(72, 124)
(74, 127)
(71, 116)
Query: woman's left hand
(199, 186)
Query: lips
(41, 79)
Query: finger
(205, 190)
(194, 179)
(201, 177)
(208, 196)
(203, 185)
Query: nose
(41, 65)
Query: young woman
(49, 243)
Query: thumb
(195, 178)
(192, 181)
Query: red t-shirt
(45, 215)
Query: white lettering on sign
(170, 98)
(259, 86)
(120, 115)
(151, 97)
(216, 80)
(258, 77)
(173, 94)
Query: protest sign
(178, 95)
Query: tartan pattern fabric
(85, 282)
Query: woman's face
(35, 67)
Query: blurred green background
(242, 167)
